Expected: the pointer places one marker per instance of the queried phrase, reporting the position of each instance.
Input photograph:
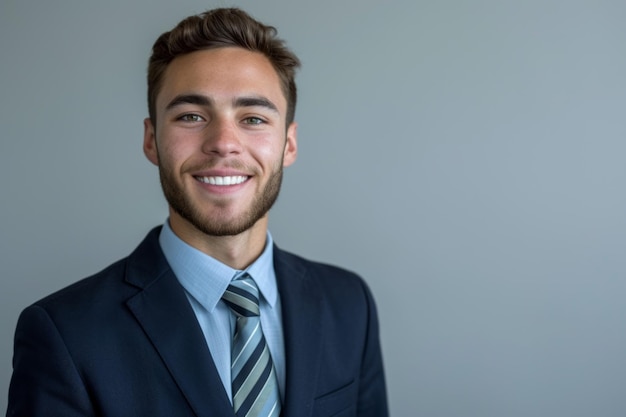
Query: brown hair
(220, 28)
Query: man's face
(220, 140)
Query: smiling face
(220, 141)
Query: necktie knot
(242, 296)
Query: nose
(221, 138)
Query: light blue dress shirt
(205, 279)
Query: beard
(210, 224)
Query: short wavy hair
(218, 28)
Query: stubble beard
(212, 225)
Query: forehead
(222, 74)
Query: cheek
(267, 149)
(173, 150)
(270, 156)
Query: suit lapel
(164, 313)
(301, 304)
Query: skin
(220, 116)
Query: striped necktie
(255, 386)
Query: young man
(207, 317)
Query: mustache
(220, 163)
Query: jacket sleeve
(372, 390)
(45, 380)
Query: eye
(252, 120)
(190, 117)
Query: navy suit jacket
(125, 342)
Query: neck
(238, 251)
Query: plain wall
(465, 157)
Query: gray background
(466, 157)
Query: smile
(233, 180)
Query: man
(207, 317)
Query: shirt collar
(205, 278)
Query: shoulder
(319, 271)
(93, 298)
(111, 286)
(335, 284)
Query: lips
(223, 180)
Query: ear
(291, 146)
(149, 141)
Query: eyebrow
(201, 100)
(255, 101)
(196, 99)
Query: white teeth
(238, 179)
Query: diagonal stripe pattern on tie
(255, 387)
